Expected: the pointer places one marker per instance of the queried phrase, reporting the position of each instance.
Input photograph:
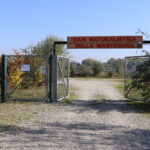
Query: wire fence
(27, 77)
(63, 70)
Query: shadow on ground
(109, 105)
(60, 135)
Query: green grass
(72, 96)
(139, 106)
(33, 92)
(120, 87)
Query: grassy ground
(120, 87)
(33, 92)
(139, 106)
(72, 96)
(92, 78)
(13, 113)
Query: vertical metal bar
(50, 78)
(46, 79)
(4, 84)
(68, 75)
(54, 49)
(125, 78)
(53, 79)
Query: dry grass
(33, 92)
(14, 112)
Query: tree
(73, 68)
(85, 71)
(117, 65)
(15, 75)
(141, 79)
(96, 66)
(27, 79)
(45, 47)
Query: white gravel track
(85, 124)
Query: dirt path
(87, 123)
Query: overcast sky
(25, 22)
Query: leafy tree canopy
(45, 47)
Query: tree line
(93, 68)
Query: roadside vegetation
(140, 106)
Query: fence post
(53, 79)
(3, 77)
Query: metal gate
(26, 77)
(63, 71)
(34, 77)
(137, 78)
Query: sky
(25, 22)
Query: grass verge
(120, 87)
(14, 112)
(72, 96)
(139, 106)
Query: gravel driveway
(89, 123)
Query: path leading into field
(98, 120)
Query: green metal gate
(34, 77)
(26, 77)
(137, 78)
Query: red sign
(105, 42)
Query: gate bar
(146, 42)
(4, 84)
(58, 42)
(65, 42)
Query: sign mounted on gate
(25, 68)
(104, 42)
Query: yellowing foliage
(15, 75)
(14, 70)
